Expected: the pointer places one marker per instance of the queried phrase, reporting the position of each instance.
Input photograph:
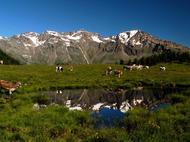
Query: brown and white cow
(9, 86)
(118, 72)
(109, 70)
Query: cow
(1, 62)
(146, 67)
(118, 72)
(59, 69)
(9, 86)
(135, 67)
(71, 68)
(162, 68)
(109, 70)
(139, 67)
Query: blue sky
(167, 19)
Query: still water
(113, 99)
(108, 106)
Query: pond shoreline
(145, 85)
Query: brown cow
(9, 86)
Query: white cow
(1, 61)
(146, 67)
(162, 68)
(139, 67)
(135, 67)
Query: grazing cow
(59, 69)
(56, 68)
(146, 67)
(1, 62)
(139, 67)
(135, 67)
(109, 70)
(71, 68)
(9, 86)
(118, 73)
(162, 68)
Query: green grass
(20, 122)
(36, 77)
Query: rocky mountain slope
(83, 47)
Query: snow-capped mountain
(51, 47)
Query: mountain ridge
(83, 47)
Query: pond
(109, 105)
(115, 99)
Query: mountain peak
(54, 33)
(126, 36)
(29, 34)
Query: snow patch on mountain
(27, 44)
(3, 38)
(96, 38)
(138, 43)
(74, 37)
(134, 42)
(126, 36)
(78, 32)
(66, 41)
(35, 40)
(33, 37)
(54, 33)
(109, 39)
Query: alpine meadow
(94, 71)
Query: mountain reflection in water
(116, 99)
